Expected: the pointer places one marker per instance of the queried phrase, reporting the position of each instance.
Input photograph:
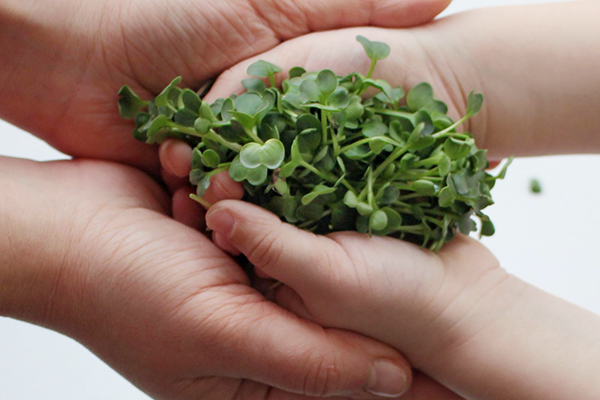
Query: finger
(175, 157)
(279, 250)
(224, 244)
(172, 182)
(186, 210)
(288, 299)
(425, 388)
(303, 358)
(290, 19)
(494, 164)
(222, 187)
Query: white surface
(548, 240)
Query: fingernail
(386, 379)
(220, 221)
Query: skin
(457, 315)
(85, 51)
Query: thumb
(301, 357)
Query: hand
(86, 249)
(73, 56)
(455, 315)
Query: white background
(548, 240)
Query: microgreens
(323, 158)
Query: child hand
(422, 303)
(455, 315)
(383, 287)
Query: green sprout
(321, 157)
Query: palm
(413, 59)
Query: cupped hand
(158, 302)
(74, 56)
(427, 305)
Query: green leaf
(466, 225)
(373, 128)
(130, 103)
(196, 160)
(393, 217)
(419, 96)
(158, 130)
(309, 140)
(237, 171)
(424, 188)
(319, 190)
(389, 195)
(326, 82)
(250, 104)
(196, 175)
(202, 126)
(310, 212)
(281, 186)
(340, 98)
(203, 185)
(309, 90)
(364, 209)
(474, 103)
(254, 85)
(535, 186)
(355, 109)
(446, 198)
(270, 154)
(502, 173)
(185, 117)
(375, 50)
(382, 85)
(189, 100)
(444, 166)
(263, 69)
(377, 145)
(296, 71)
(206, 111)
(211, 159)
(257, 176)
(378, 220)
(418, 140)
(165, 98)
(487, 227)
(479, 160)
(456, 149)
(350, 199)
(226, 109)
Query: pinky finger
(186, 210)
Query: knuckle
(324, 376)
(266, 252)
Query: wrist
(538, 85)
(49, 43)
(37, 245)
(523, 337)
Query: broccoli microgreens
(323, 158)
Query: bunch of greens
(323, 158)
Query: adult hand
(73, 56)
(86, 249)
